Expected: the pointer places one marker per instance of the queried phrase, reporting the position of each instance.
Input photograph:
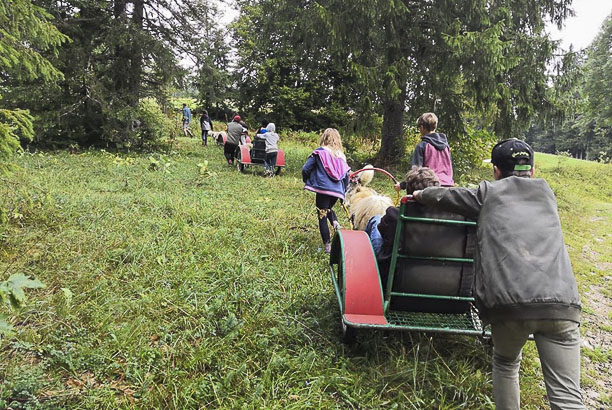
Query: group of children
(524, 284)
(326, 173)
(236, 131)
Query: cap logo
(520, 153)
(522, 167)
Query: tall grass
(192, 289)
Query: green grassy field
(176, 282)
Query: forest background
(103, 73)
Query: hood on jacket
(334, 166)
(271, 127)
(437, 140)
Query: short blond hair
(331, 140)
(429, 120)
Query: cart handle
(352, 175)
(387, 173)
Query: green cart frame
(410, 300)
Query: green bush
(140, 127)
(14, 125)
(468, 152)
(154, 124)
(307, 138)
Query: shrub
(14, 125)
(154, 124)
(469, 150)
(140, 127)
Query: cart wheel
(278, 170)
(349, 334)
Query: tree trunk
(392, 144)
(121, 54)
(135, 73)
(119, 8)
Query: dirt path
(597, 344)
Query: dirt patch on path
(597, 346)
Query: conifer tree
(451, 57)
(25, 31)
(122, 51)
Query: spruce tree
(25, 31)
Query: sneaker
(328, 247)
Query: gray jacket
(234, 132)
(522, 269)
(271, 138)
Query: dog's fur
(364, 209)
(218, 136)
(364, 202)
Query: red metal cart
(256, 154)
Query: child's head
(184, 105)
(264, 123)
(331, 139)
(419, 178)
(205, 113)
(428, 121)
(512, 157)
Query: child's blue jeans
(270, 161)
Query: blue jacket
(374, 234)
(186, 114)
(317, 180)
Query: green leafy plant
(159, 164)
(12, 294)
(119, 161)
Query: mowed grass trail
(184, 284)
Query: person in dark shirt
(206, 125)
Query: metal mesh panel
(464, 323)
